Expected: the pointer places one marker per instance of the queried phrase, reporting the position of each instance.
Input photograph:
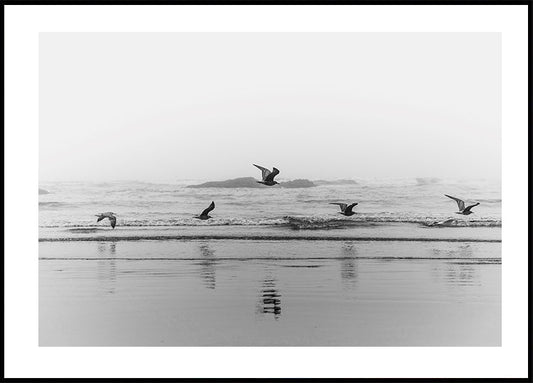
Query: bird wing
(460, 202)
(471, 206)
(264, 171)
(209, 208)
(270, 177)
(113, 221)
(342, 205)
(100, 217)
(350, 207)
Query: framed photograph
(266, 191)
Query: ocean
(273, 267)
(409, 203)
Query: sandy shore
(379, 231)
(269, 293)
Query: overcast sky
(164, 107)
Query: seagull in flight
(461, 204)
(267, 175)
(110, 215)
(205, 213)
(345, 208)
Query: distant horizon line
(281, 179)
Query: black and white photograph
(199, 191)
(270, 189)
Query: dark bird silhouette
(205, 213)
(267, 175)
(461, 205)
(345, 208)
(110, 215)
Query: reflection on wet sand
(208, 266)
(458, 272)
(348, 265)
(107, 268)
(461, 274)
(461, 251)
(269, 300)
(162, 293)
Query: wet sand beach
(230, 292)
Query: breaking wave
(293, 222)
(335, 223)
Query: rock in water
(250, 182)
(243, 182)
(300, 183)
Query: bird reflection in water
(461, 269)
(462, 251)
(106, 266)
(348, 265)
(207, 266)
(269, 300)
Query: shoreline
(262, 238)
(374, 233)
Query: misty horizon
(205, 106)
(356, 179)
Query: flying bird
(461, 204)
(205, 213)
(110, 215)
(345, 208)
(267, 175)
